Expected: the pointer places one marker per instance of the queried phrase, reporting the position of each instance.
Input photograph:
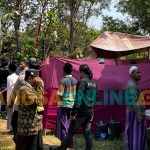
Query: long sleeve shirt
(86, 96)
(29, 121)
(133, 93)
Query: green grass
(3, 115)
(103, 144)
(99, 144)
(6, 140)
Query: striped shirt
(66, 92)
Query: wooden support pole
(148, 54)
(116, 61)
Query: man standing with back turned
(65, 101)
(135, 137)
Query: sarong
(135, 137)
(9, 117)
(62, 122)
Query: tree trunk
(17, 24)
(72, 25)
(0, 30)
(43, 3)
(17, 34)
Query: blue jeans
(85, 121)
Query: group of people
(75, 109)
(25, 96)
(24, 100)
(75, 106)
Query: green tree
(74, 12)
(117, 25)
(54, 36)
(49, 27)
(138, 10)
(19, 14)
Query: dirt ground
(6, 142)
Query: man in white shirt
(11, 79)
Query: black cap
(34, 65)
(31, 73)
(5, 60)
(14, 61)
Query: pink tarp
(108, 77)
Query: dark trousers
(33, 142)
(85, 121)
(14, 125)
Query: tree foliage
(138, 10)
(117, 25)
(62, 26)
(19, 15)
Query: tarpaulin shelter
(109, 78)
(116, 44)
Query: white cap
(101, 60)
(132, 68)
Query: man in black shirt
(3, 79)
(82, 113)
